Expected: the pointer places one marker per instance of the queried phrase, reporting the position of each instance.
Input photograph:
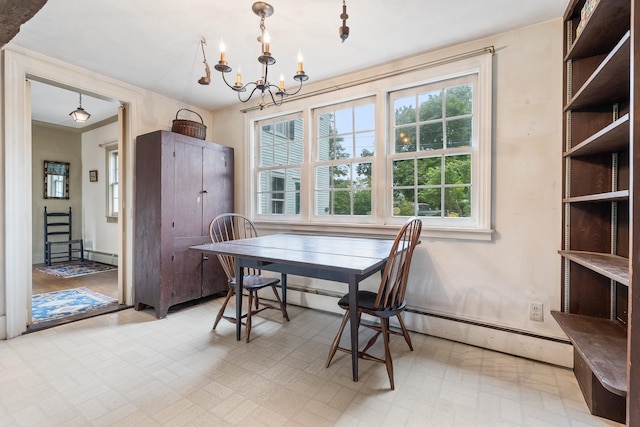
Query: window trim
(480, 63)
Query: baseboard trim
(548, 349)
(103, 257)
(3, 327)
(489, 326)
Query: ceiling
(155, 44)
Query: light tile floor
(129, 369)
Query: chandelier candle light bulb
(300, 59)
(266, 40)
(239, 77)
(281, 82)
(223, 55)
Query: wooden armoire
(181, 184)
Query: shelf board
(614, 267)
(611, 139)
(613, 196)
(605, 26)
(609, 83)
(602, 344)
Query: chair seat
(366, 301)
(255, 281)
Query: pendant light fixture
(80, 115)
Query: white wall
(489, 283)
(100, 236)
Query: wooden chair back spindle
(393, 286)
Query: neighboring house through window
(279, 171)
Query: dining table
(335, 258)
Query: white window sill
(370, 230)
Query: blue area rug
(68, 302)
(75, 268)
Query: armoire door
(188, 193)
(187, 270)
(217, 184)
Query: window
(280, 157)
(432, 134)
(277, 194)
(345, 147)
(419, 145)
(112, 181)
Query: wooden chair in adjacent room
(231, 226)
(388, 302)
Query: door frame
(16, 212)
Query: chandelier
(80, 115)
(262, 86)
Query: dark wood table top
(356, 255)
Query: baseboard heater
(442, 316)
(103, 257)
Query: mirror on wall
(56, 180)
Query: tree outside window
(432, 129)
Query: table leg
(239, 284)
(283, 281)
(353, 320)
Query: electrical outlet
(536, 312)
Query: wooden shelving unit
(597, 241)
(613, 137)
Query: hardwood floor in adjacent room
(105, 282)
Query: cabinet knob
(204, 191)
(205, 258)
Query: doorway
(16, 212)
(93, 176)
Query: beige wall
(486, 282)
(60, 145)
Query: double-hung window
(343, 164)
(279, 171)
(412, 144)
(433, 134)
(113, 194)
